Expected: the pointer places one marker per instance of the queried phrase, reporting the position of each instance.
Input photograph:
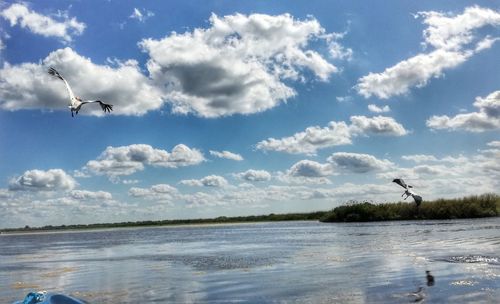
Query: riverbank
(486, 205)
(476, 206)
(218, 220)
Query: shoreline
(479, 206)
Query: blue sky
(234, 108)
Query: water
(288, 262)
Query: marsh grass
(474, 206)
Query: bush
(467, 207)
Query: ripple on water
(491, 260)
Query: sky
(227, 108)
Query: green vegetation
(485, 205)
(218, 220)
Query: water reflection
(266, 262)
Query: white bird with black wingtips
(408, 192)
(75, 102)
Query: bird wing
(400, 182)
(417, 198)
(104, 106)
(55, 73)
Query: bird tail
(55, 73)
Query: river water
(286, 262)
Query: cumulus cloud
(358, 163)
(415, 71)
(19, 13)
(494, 144)
(454, 41)
(334, 134)
(208, 181)
(309, 168)
(377, 125)
(236, 65)
(226, 155)
(141, 15)
(377, 109)
(337, 50)
(255, 175)
(487, 118)
(162, 192)
(90, 195)
(29, 86)
(126, 160)
(419, 158)
(4, 193)
(39, 180)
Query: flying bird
(408, 192)
(75, 102)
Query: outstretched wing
(107, 108)
(400, 182)
(55, 73)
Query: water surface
(286, 262)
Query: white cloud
(338, 51)
(344, 98)
(19, 13)
(141, 15)
(488, 117)
(453, 32)
(415, 71)
(377, 109)
(450, 36)
(90, 195)
(207, 181)
(126, 160)
(39, 180)
(4, 193)
(358, 163)
(29, 86)
(377, 125)
(494, 144)
(419, 158)
(226, 155)
(424, 158)
(255, 175)
(335, 134)
(236, 65)
(310, 169)
(310, 140)
(160, 192)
